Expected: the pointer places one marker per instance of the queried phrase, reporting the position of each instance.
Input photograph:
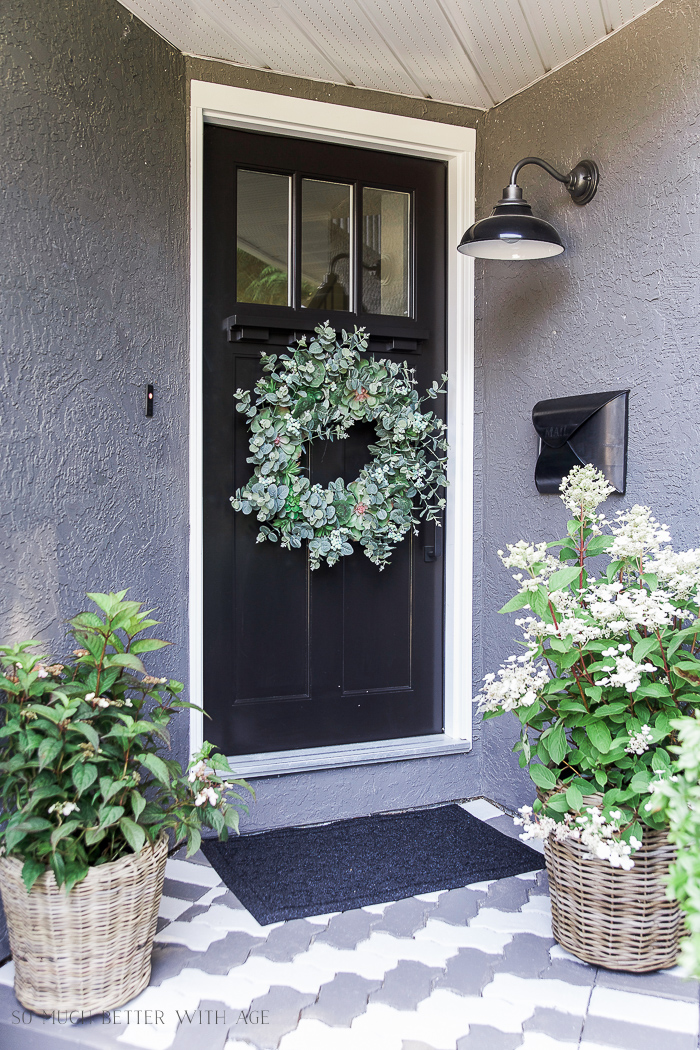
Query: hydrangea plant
(609, 659)
(84, 779)
(678, 800)
(317, 391)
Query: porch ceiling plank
(473, 53)
(350, 40)
(502, 48)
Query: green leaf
(31, 870)
(651, 580)
(599, 735)
(75, 872)
(158, 767)
(643, 648)
(126, 660)
(519, 601)
(597, 545)
(134, 835)
(688, 676)
(63, 830)
(640, 781)
(542, 776)
(194, 841)
(574, 798)
(87, 731)
(147, 645)
(94, 835)
(558, 803)
(87, 619)
(110, 787)
(562, 578)
(138, 803)
(557, 743)
(660, 760)
(48, 749)
(84, 774)
(539, 603)
(110, 815)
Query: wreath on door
(320, 391)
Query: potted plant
(608, 659)
(88, 799)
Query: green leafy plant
(677, 799)
(319, 391)
(610, 659)
(84, 780)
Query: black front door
(297, 233)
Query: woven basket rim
(95, 871)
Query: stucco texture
(620, 308)
(95, 306)
(94, 281)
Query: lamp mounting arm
(581, 182)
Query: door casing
(303, 118)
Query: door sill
(274, 763)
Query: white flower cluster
(523, 555)
(97, 701)
(541, 827)
(639, 742)
(599, 836)
(517, 685)
(678, 573)
(197, 772)
(637, 534)
(584, 489)
(626, 673)
(63, 809)
(206, 794)
(617, 609)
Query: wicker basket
(88, 950)
(620, 920)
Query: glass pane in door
(386, 242)
(326, 245)
(262, 272)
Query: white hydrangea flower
(584, 489)
(63, 809)
(678, 573)
(600, 837)
(639, 742)
(523, 555)
(626, 673)
(518, 683)
(197, 772)
(637, 534)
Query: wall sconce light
(511, 231)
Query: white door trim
(303, 118)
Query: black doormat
(294, 872)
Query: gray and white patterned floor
(465, 969)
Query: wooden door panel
(294, 658)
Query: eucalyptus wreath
(318, 391)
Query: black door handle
(433, 551)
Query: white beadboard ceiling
(469, 52)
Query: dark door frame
(303, 118)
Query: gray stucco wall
(94, 276)
(94, 166)
(620, 308)
(95, 305)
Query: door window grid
(324, 272)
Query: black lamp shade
(511, 232)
